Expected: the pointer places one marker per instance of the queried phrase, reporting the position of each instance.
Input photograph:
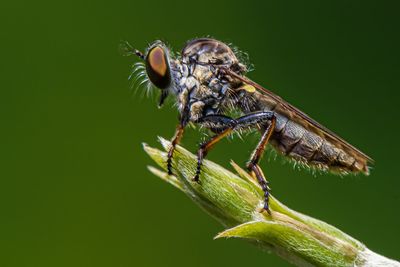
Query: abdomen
(309, 148)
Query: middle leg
(224, 126)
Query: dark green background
(74, 189)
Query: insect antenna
(127, 50)
(138, 76)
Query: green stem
(236, 201)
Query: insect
(209, 82)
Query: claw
(169, 167)
(256, 172)
(196, 179)
(169, 160)
(266, 208)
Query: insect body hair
(138, 79)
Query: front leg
(183, 121)
(175, 141)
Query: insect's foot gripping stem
(205, 148)
(175, 141)
(201, 153)
(169, 160)
(257, 173)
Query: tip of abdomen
(360, 167)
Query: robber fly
(209, 82)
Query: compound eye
(157, 67)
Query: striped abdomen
(306, 146)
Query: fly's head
(155, 67)
(202, 68)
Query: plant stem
(236, 201)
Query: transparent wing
(301, 118)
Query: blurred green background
(74, 189)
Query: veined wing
(293, 113)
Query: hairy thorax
(201, 89)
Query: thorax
(200, 89)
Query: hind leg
(253, 166)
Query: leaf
(236, 201)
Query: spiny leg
(175, 141)
(223, 126)
(253, 166)
(205, 147)
(220, 124)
